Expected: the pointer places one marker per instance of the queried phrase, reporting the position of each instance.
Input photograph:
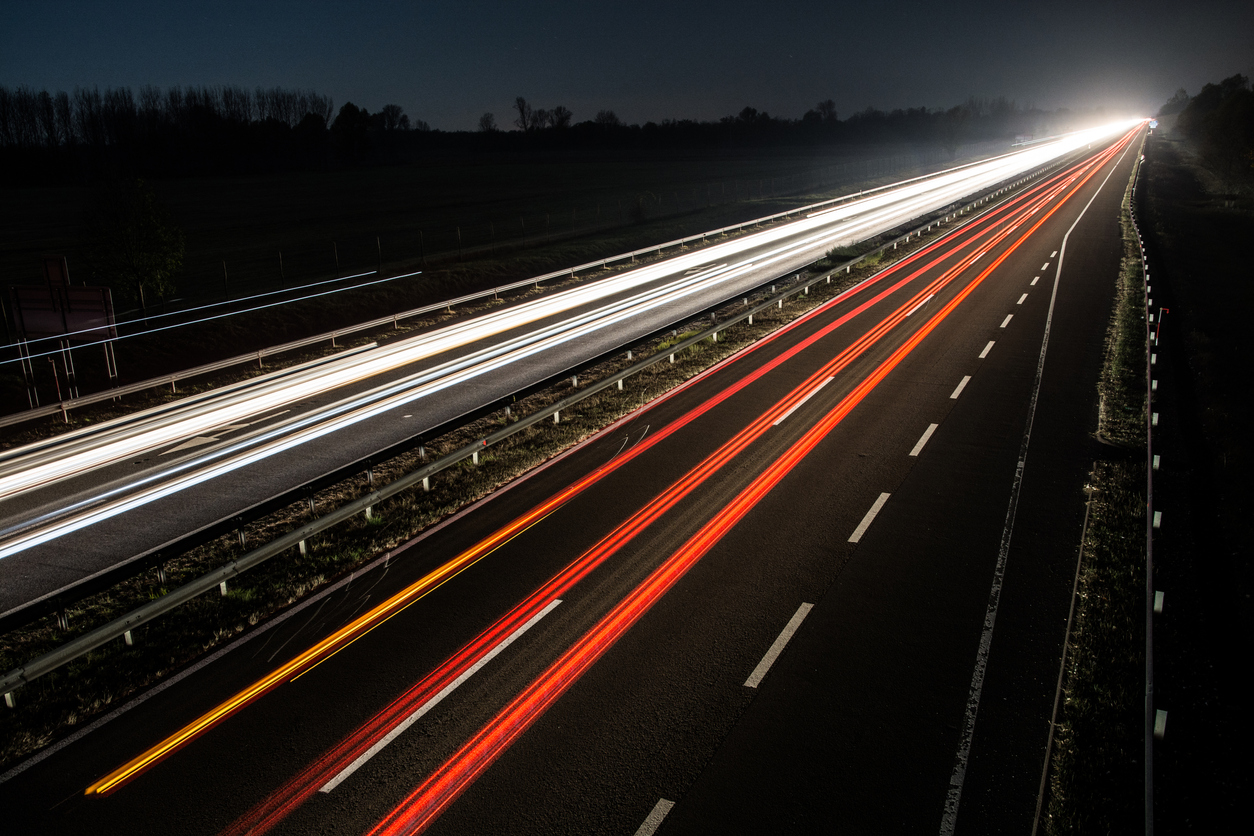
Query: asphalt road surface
(81, 504)
(605, 646)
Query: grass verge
(1096, 767)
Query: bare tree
(561, 117)
(541, 119)
(65, 117)
(608, 118)
(525, 114)
(487, 123)
(827, 109)
(47, 119)
(135, 246)
(391, 117)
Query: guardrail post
(557, 417)
(422, 452)
(240, 532)
(620, 384)
(161, 576)
(222, 589)
(426, 484)
(672, 358)
(369, 512)
(750, 319)
(63, 620)
(9, 701)
(474, 457)
(629, 354)
(574, 381)
(303, 548)
(126, 637)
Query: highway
(84, 502)
(823, 584)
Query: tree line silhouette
(1220, 122)
(228, 130)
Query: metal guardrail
(121, 627)
(63, 407)
(1152, 517)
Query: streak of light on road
(317, 775)
(78, 452)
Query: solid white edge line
(867, 520)
(962, 756)
(654, 820)
(1006, 321)
(918, 447)
(962, 384)
(801, 402)
(781, 642)
(401, 727)
(987, 349)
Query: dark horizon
(446, 64)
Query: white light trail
(81, 451)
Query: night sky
(448, 62)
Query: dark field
(495, 200)
(1199, 269)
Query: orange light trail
(419, 589)
(443, 787)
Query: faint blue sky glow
(447, 62)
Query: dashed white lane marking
(1044, 267)
(1035, 280)
(777, 648)
(1054, 253)
(268, 417)
(654, 820)
(921, 304)
(781, 419)
(931, 428)
(963, 755)
(1006, 321)
(1021, 298)
(868, 519)
(192, 442)
(434, 701)
(986, 350)
(962, 384)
